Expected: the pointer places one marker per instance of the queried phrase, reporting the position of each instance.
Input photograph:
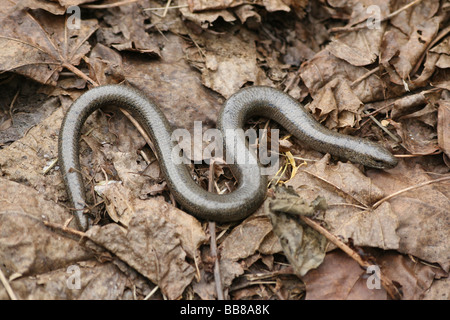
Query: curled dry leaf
(336, 105)
(202, 5)
(325, 67)
(39, 45)
(362, 47)
(50, 6)
(443, 49)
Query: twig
(213, 246)
(377, 204)
(79, 73)
(382, 127)
(64, 229)
(7, 286)
(164, 8)
(151, 293)
(364, 76)
(387, 283)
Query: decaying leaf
(304, 247)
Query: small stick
(377, 204)
(212, 232)
(64, 229)
(7, 286)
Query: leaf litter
(189, 56)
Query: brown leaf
(325, 67)
(340, 277)
(443, 126)
(97, 282)
(27, 246)
(349, 195)
(206, 18)
(151, 246)
(49, 6)
(229, 61)
(443, 49)
(105, 65)
(126, 30)
(173, 85)
(39, 45)
(362, 47)
(411, 52)
(418, 138)
(246, 238)
(202, 5)
(303, 246)
(422, 213)
(125, 206)
(337, 105)
(38, 149)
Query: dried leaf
(303, 246)
(121, 201)
(27, 246)
(413, 49)
(325, 67)
(246, 238)
(443, 126)
(229, 62)
(339, 278)
(151, 246)
(97, 282)
(349, 195)
(38, 148)
(417, 137)
(422, 213)
(38, 44)
(126, 30)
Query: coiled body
(251, 190)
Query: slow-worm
(250, 192)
